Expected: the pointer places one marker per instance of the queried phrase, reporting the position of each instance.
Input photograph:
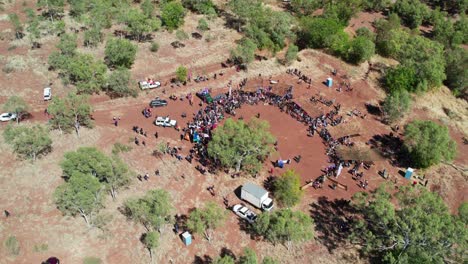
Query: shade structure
(312, 109)
(358, 153)
(352, 128)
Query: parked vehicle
(257, 196)
(205, 96)
(157, 102)
(5, 117)
(148, 85)
(47, 93)
(244, 213)
(165, 121)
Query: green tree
(244, 53)
(463, 212)
(181, 73)
(419, 229)
(85, 72)
(17, 26)
(457, 70)
(139, 24)
(119, 176)
(377, 5)
(16, 105)
(147, 8)
(315, 31)
(81, 195)
(67, 44)
(396, 105)
(86, 160)
(338, 44)
(33, 25)
(360, 50)
(249, 257)
(342, 10)
(202, 25)
(284, 226)
(206, 219)
(401, 78)
(117, 84)
(226, 259)
(151, 241)
(205, 7)
(428, 143)
(241, 145)
(153, 210)
(71, 112)
(365, 32)
(172, 14)
(28, 142)
(304, 7)
(413, 13)
(93, 36)
(53, 8)
(291, 54)
(287, 188)
(120, 53)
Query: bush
(287, 188)
(172, 14)
(413, 13)
(365, 32)
(120, 52)
(315, 31)
(119, 148)
(181, 74)
(244, 52)
(400, 78)
(457, 70)
(206, 7)
(154, 47)
(428, 143)
(291, 54)
(396, 104)
(117, 85)
(202, 25)
(93, 37)
(12, 245)
(181, 35)
(360, 50)
(92, 260)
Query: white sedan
(165, 122)
(5, 117)
(244, 213)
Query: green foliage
(172, 15)
(366, 33)
(360, 50)
(120, 53)
(81, 195)
(151, 241)
(269, 260)
(17, 105)
(457, 70)
(304, 7)
(413, 13)
(396, 105)
(17, 26)
(377, 5)
(117, 84)
(389, 36)
(444, 31)
(154, 47)
(33, 25)
(291, 54)
(92, 37)
(138, 24)
(463, 212)
(287, 188)
(12, 245)
(244, 53)
(206, 219)
(226, 259)
(86, 160)
(152, 210)
(41, 247)
(67, 44)
(249, 257)
(241, 145)
(400, 78)
(28, 142)
(428, 143)
(202, 25)
(92, 260)
(316, 31)
(119, 148)
(52, 8)
(284, 226)
(181, 35)
(338, 44)
(147, 8)
(70, 113)
(205, 7)
(181, 73)
(342, 10)
(419, 229)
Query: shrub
(12, 245)
(360, 50)
(154, 47)
(181, 35)
(396, 104)
(119, 147)
(120, 52)
(291, 54)
(244, 52)
(92, 260)
(315, 31)
(181, 74)
(117, 85)
(172, 14)
(202, 25)
(400, 78)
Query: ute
(244, 213)
(157, 102)
(165, 121)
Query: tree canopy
(428, 143)
(120, 53)
(241, 145)
(244, 53)
(28, 142)
(360, 49)
(153, 210)
(151, 241)
(181, 73)
(287, 188)
(284, 226)
(396, 105)
(71, 112)
(419, 229)
(172, 14)
(16, 105)
(118, 84)
(203, 221)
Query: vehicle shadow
(332, 221)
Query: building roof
(253, 189)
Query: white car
(47, 94)
(165, 121)
(244, 213)
(146, 85)
(5, 117)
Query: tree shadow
(227, 252)
(332, 221)
(374, 109)
(205, 259)
(390, 147)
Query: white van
(47, 94)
